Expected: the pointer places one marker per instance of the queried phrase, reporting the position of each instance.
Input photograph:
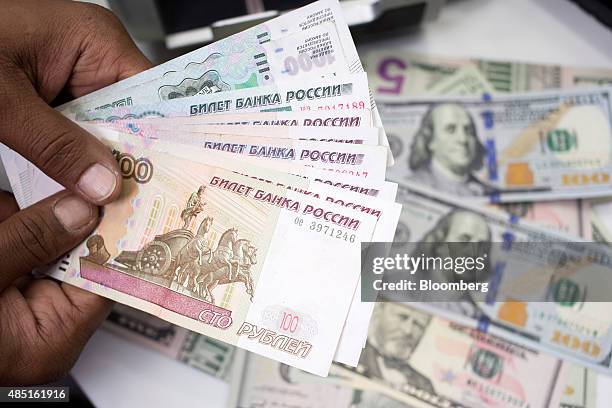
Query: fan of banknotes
(254, 168)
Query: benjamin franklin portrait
(446, 151)
(459, 233)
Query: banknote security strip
(488, 119)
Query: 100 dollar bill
(534, 146)
(529, 303)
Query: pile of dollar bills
(485, 151)
(254, 168)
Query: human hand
(45, 48)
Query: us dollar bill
(465, 81)
(526, 303)
(263, 382)
(600, 220)
(397, 72)
(504, 148)
(577, 387)
(208, 355)
(570, 216)
(412, 359)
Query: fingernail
(73, 212)
(97, 182)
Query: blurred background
(115, 370)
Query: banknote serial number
(325, 229)
(338, 106)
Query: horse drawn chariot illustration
(185, 258)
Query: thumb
(61, 149)
(42, 232)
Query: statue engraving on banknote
(184, 260)
(191, 256)
(194, 206)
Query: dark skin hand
(47, 47)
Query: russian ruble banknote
(133, 260)
(358, 135)
(354, 331)
(313, 53)
(137, 266)
(208, 355)
(245, 63)
(309, 119)
(397, 72)
(365, 161)
(248, 53)
(414, 359)
(344, 93)
(504, 148)
(355, 327)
